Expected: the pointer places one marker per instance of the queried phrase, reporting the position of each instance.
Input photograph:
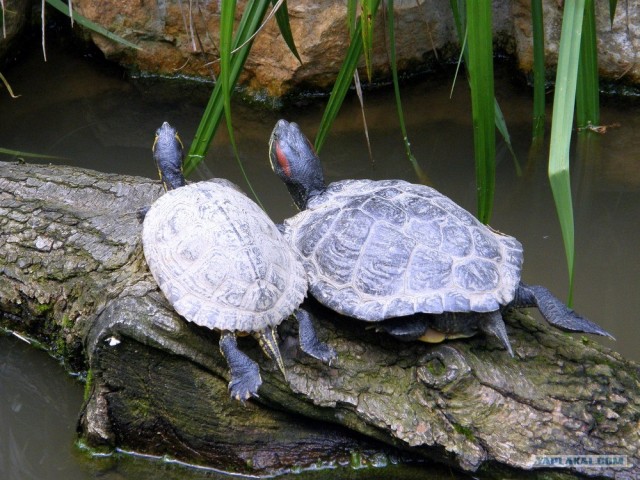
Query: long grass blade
(282, 18)
(480, 45)
(537, 19)
(85, 22)
(367, 14)
(227, 19)
(561, 125)
(249, 23)
(20, 154)
(396, 89)
(459, 16)
(612, 10)
(588, 94)
(343, 81)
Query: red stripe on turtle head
(282, 160)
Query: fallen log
(73, 275)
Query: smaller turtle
(403, 254)
(223, 264)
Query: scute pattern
(380, 249)
(220, 260)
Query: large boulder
(175, 41)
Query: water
(83, 111)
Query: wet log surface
(73, 276)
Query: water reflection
(37, 415)
(92, 118)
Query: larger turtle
(223, 264)
(379, 250)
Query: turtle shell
(380, 249)
(219, 259)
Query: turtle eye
(282, 161)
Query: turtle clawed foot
(557, 313)
(245, 387)
(245, 373)
(323, 352)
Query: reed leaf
(588, 89)
(459, 16)
(612, 10)
(561, 126)
(282, 18)
(227, 19)
(340, 87)
(396, 89)
(537, 19)
(85, 22)
(20, 154)
(249, 23)
(480, 66)
(367, 15)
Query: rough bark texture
(73, 275)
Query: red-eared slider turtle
(223, 264)
(378, 250)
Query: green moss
(355, 459)
(43, 309)
(468, 434)
(139, 409)
(66, 322)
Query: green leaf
(588, 87)
(249, 23)
(396, 89)
(282, 17)
(612, 10)
(480, 67)
(85, 22)
(367, 15)
(561, 125)
(343, 81)
(227, 19)
(18, 154)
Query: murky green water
(88, 115)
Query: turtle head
(294, 160)
(168, 154)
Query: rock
(618, 42)
(13, 18)
(72, 274)
(424, 32)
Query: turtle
(404, 255)
(223, 264)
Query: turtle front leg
(309, 342)
(245, 373)
(554, 310)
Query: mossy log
(74, 276)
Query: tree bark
(73, 275)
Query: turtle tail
(268, 341)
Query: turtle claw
(323, 352)
(244, 387)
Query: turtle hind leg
(493, 324)
(309, 342)
(554, 310)
(245, 373)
